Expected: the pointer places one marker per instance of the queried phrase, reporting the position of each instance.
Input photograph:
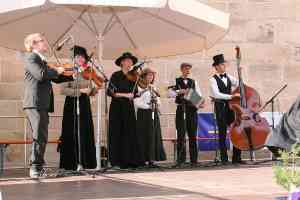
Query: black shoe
(152, 165)
(179, 165)
(238, 162)
(224, 162)
(193, 164)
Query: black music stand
(271, 100)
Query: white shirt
(144, 101)
(41, 55)
(214, 90)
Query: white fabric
(9, 5)
(146, 32)
(144, 101)
(133, 3)
(214, 90)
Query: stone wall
(266, 30)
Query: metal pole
(98, 134)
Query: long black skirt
(149, 135)
(68, 148)
(124, 150)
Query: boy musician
(186, 116)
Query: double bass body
(249, 130)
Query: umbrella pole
(98, 135)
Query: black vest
(181, 85)
(222, 106)
(221, 85)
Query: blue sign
(207, 133)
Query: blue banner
(207, 133)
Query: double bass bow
(248, 131)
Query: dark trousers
(39, 120)
(225, 117)
(188, 125)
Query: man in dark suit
(38, 96)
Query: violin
(248, 131)
(133, 74)
(69, 69)
(89, 73)
(144, 84)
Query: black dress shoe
(152, 165)
(224, 162)
(193, 164)
(238, 162)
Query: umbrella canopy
(155, 28)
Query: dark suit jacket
(38, 92)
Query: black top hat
(78, 50)
(218, 59)
(124, 56)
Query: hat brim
(119, 60)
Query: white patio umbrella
(148, 28)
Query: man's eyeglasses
(41, 40)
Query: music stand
(271, 100)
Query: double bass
(248, 131)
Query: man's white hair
(30, 40)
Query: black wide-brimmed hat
(125, 56)
(78, 50)
(218, 59)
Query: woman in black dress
(68, 148)
(124, 151)
(148, 122)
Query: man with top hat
(124, 151)
(186, 116)
(221, 85)
(38, 96)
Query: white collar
(38, 53)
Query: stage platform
(204, 182)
